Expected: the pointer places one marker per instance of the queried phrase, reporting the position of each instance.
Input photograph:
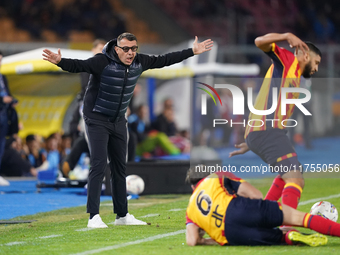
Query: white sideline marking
(314, 200)
(149, 215)
(147, 203)
(51, 236)
(177, 209)
(85, 229)
(14, 243)
(42, 237)
(117, 246)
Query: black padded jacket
(111, 82)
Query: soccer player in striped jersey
(269, 140)
(231, 211)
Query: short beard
(308, 69)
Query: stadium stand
(214, 18)
(233, 21)
(55, 21)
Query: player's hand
(243, 148)
(52, 57)
(297, 43)
(204, 46)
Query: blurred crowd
(159, 137)
(240, 21)
(62, 17)
(26, 157)
(65, 152)
(317, 21)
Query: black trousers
(107, 142)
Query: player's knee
(298, 181)
(302, 183)
(292, 216)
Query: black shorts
(275, 148)
(253, 222)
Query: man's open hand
(204, 46)
(52, 57)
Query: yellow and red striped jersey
(284, 72)
(209, 202)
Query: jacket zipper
(122, 94)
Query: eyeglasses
(126, 49)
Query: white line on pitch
(14, 243)
(117, 246)
(42, 237)
(177, 209)
(51, 236)
(85, 229)
(314, 200)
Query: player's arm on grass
(194, 236)
(265, 42)
(242, 148)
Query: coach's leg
(98, 139)
(117, 150)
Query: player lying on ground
(231, 211)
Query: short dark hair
(66, 135)
(51, 136)
(30, 138)
(313, 48)
(1, 54)
(193, 177)
(128, 36)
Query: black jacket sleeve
(94, 65)
(150, 62)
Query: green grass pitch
(64, 231)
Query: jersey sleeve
(227, 174)
(281, 56)
(188, 220)
(230, 182)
